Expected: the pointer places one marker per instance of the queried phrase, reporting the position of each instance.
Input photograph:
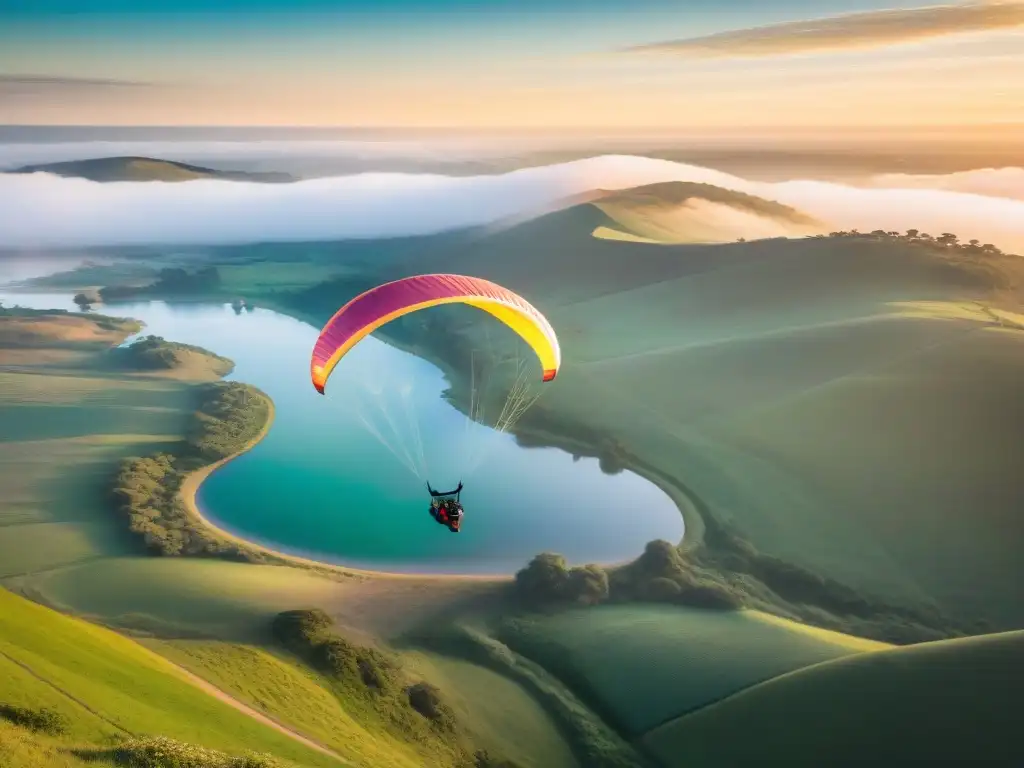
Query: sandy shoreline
(193, 480)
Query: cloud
(15, 88)
(993, 182)
(42, 210)
(17, 154)
(872, 29)
(44, 81)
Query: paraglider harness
(445, 507)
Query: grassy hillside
(170, 358)
(499, 714)
(952, 702)
(106, 169)
(685, 212)
(640, 666)
(771, 378)
(65, 420)
(291, 693)
(98, 675)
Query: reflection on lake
(320, 484)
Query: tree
(83, 301)
(587, 585)
(912, 233)
(947, 239)
(544, 578)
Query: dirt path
(202, 685)
(245, 709)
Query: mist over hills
(385, 205)
(140, 169)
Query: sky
(686, 65)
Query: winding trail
(202, 685)
(245, 709)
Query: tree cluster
(660, 574)
(364, 673)
(230, 415)
(155, 353)
(547, 580)
(729, 573)
(171, 281)
(946, 240)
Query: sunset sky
(755, 64)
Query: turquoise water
(321, 485)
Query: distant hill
(686, 212)
(145, 169)
(849, 403)
(943, 703)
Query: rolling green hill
(771, 379)
(642, 665)
(109, 687)
(144, 169)
(685, 212)
(953, 702)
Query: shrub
(544, 578)
(38, 720)
(483, 759)
(160, 752)
(547, 580)
(301, 629)
(587, 585)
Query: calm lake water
(322, 484)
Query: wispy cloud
(873, 29)
(59, 81)
(21, 86)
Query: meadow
(96, 571)
(109, 687)
(846, 405)
(944, 703)
(642, 665)
(770, 378)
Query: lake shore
(188, 492)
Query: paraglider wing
(377, 306)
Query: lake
(341, 477)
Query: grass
(61, 435)
(22, 749)
(499, 714)
(292, 694)
(215, 598)
(640, 666)
(65, 422)
(20, 688)
(953, 702)
(772, 378)
(592, 741)
(130, 688)
(680, 212)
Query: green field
(500, 716)
(22, 749)
(954, 702)
(640, 666)
(222, 599)
(772, 377)
(65, 421)
(104, 676)
(293, 695)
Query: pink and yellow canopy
(377, 306)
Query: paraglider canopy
(377, 306)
